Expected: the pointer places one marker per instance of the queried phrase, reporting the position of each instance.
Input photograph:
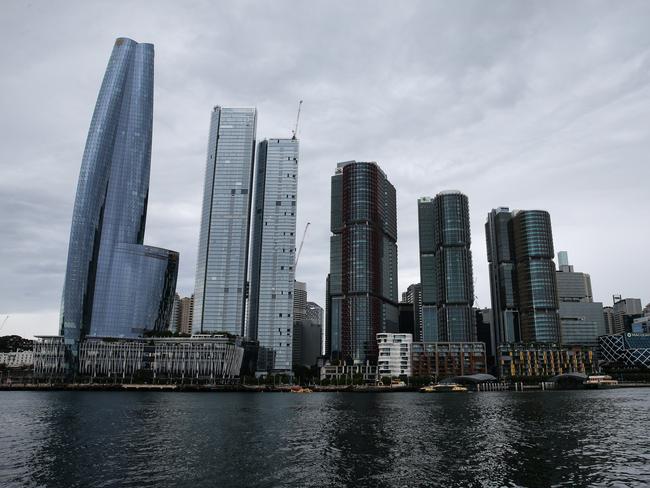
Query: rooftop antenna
(295, 130)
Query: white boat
(443, 388)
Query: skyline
(437, 114)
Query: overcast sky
(531, 105)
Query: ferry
(300, 389)
(443, 388)
(600, 381)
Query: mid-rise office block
(624, 312)
(440, 360)
(581, 320)
(273, 254)
(362, 284)
(114, 285)
(222, 261)
(394, 354)
(446, 268)
(406, 319)
(187, 315)
(413, 295)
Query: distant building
(406, 318)
(175, 316)
(394, 354)
(441, 360)
(222, 262)
(641, 325)
(627, 350)
(624, 312)
(307, 337)
(519, 360)
(646, 310)
(610, 323)
(446, 268)
(186, 317)
(582, 320)
(315, 313)
(17, 359)
(299, 300)
(362, 284)
(413, 295)
(522, 276)
(485, 333)
(345, 374)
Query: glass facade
(222, 260)
(503, 276)
(536, 284)
(273, 254)
(114, 285)
(362, 285)
(446, 268)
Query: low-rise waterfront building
(523, 360)
(394, 354)
(342, 374)
(210, 358)
(626, 350)
(445, 359)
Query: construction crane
(4, 322)
(295, 130)
(304, 234)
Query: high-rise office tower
(114, 285)
(536, 286)
(222, 262)
(625, 310)
(362, 284)
(273, 253)
(446, 268)
(413, 295)
(175, 316)
(503, 276)
(582, 320)
(522, 276)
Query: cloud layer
(520, 104)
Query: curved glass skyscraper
(115, 286)
(536, 282)
(446, 268)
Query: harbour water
(532, 439)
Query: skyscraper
(446, 268)
(273, 253)
(362, 285)
(503, 276)
(522, 276)
(536, 285)
(114, 285)
(222, 261)
(299, 300)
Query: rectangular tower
(446, 268)
(503, 276)
(362, 285)
(222, 261)
(273, 254)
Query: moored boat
(443, 388)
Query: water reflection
(496, 439)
